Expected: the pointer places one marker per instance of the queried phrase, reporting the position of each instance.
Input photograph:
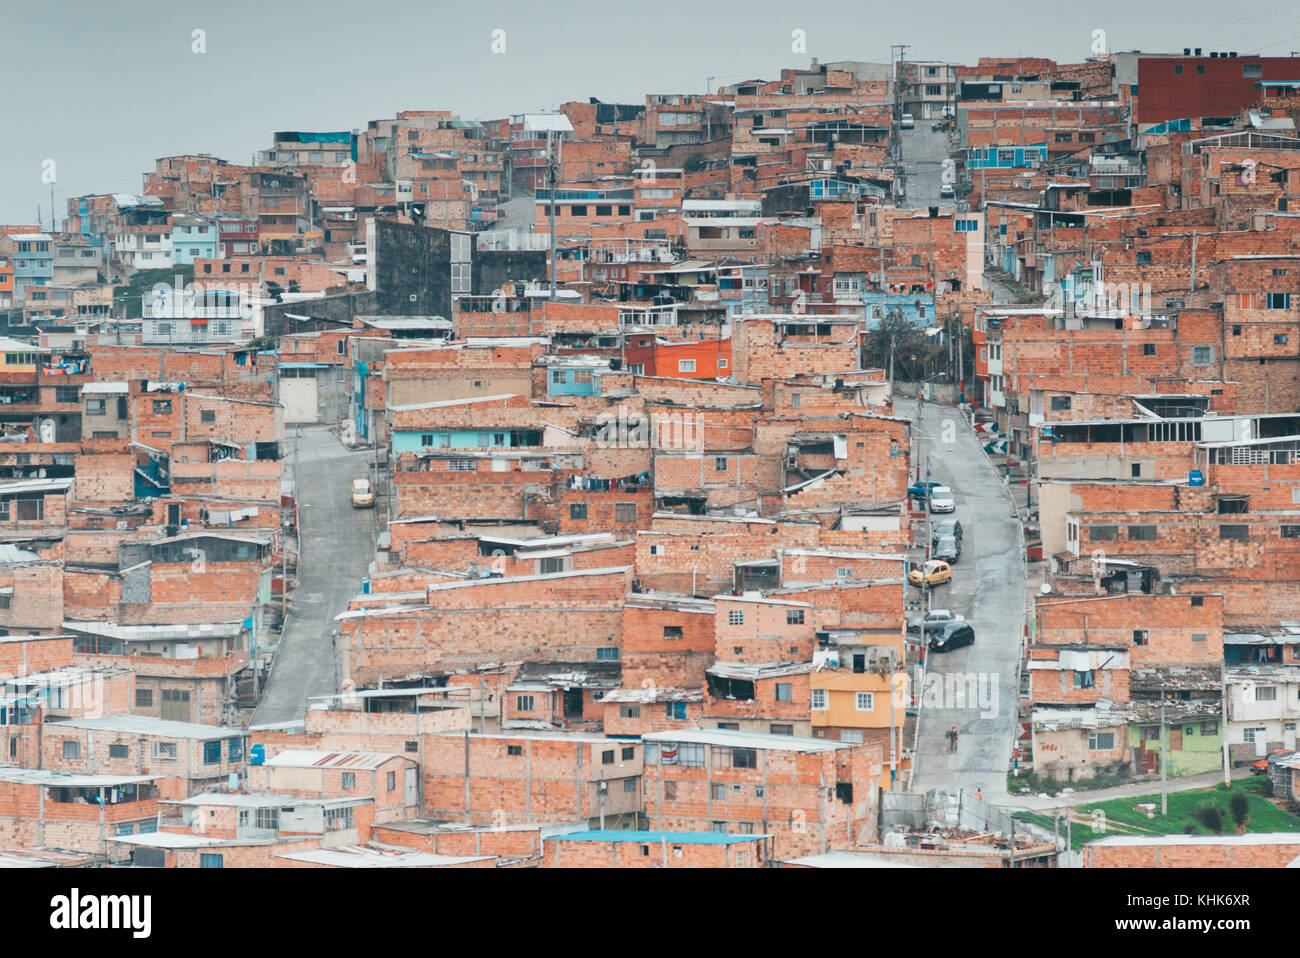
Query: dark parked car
(952, 636)
(947, 548)
(949, 527)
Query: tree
(1239, 808)
(274, 290)
(694, 163)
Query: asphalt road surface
(976, 687)
(337, 545)
(923, 152)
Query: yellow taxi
(932, 572)
(363, 496)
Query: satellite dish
(1045, 588)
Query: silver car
(941, 500)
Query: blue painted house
(33, 261)
(575, 377)
(1006, 157)
(193, 237)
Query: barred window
(1101, 741)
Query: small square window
(607, 757)
(794, 616)
(736, 617)
(629, 753)
(514, 750)
(578, 510)
(1198, 600)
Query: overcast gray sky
(105, 87)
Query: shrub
(1211, 816)
(1239, 808)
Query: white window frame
(820, 700)
(868, 697)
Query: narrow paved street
(974, 688)
(337, 544)
(923, 153)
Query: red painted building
(1171, 88)
(236, 236)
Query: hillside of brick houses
(638, 594)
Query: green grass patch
(1123, 817)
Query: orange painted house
(690, 359)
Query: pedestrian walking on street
(952, 739)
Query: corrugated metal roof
(145, 725)
(657, 838)
(145, 633)
(379, 856)
(305, 758)
(38, 776)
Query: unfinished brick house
(517, 778)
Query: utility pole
(708, 113)
(1164, 764)
(891, 368)
(961, 366)
(1223, 684)
(893, 741)
(1191, 292)
(929, 592)
(550, 178)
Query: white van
(906, 123)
